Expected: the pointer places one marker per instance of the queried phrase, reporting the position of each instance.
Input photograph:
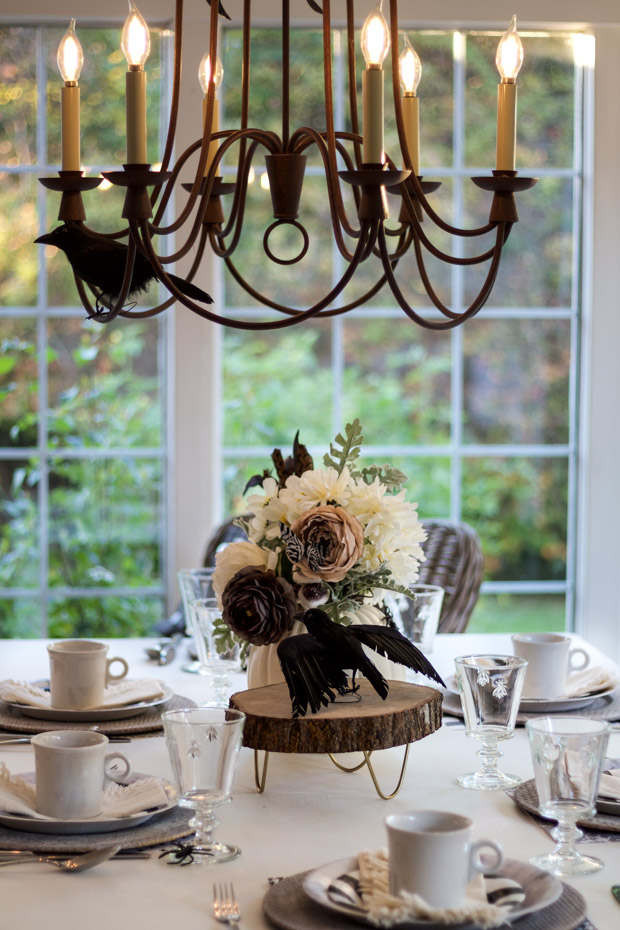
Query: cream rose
(338, 539)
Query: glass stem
(565, 836)
(489, 754)
(204, 823)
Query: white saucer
(541, 889)
(546, 705)
(608, 806)
(554, 705)
(92, 714)
(99, 824)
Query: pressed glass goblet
(203, 744)
(490, 687)
(215, 666)
(195, 583)
(568, 755)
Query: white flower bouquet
(337, 537)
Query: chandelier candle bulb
(410, 74)
(70, 60)
(204, 77)
(375, 46)
(136, 45)
(509, 59)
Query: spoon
(71, 863)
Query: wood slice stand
(409, 713)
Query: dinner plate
(99, 824)
(92, 714)
(546, 705)
(541, 889)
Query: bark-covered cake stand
(409, 713)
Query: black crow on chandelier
(100, 262)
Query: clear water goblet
(215, 666)
(419, 614)
(203, 744)
(195, 583)
(568, 755)
(490, 687)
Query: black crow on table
(100, 262)
(314, 663)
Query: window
(483, 420)
(83, 423)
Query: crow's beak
(46, 239)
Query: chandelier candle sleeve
(136, 45)
(70, 60)
(204, 78)
(410, 74)
(509, 59)
(375, 46)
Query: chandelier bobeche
(348, 158)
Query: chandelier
(117, 265)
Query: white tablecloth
(310, 814)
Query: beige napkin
(385, 910)
(18, 796)
(609, 785)
(592, 679)
(117, 694)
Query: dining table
(310, 813)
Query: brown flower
(335, 535)
(258, 606)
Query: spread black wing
(311, 675)
(396, 647)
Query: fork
(225, 907)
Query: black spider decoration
(182, 855)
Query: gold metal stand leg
(367, 762)
(262, 778)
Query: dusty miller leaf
(350, 444)
(392, 478)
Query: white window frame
(197, 401)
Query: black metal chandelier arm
(237, 213)
(175, 97)
(455, 318)
(318, 311)
(334, 194)
(95, 313)
(351, 57)
(420, 236)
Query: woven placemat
(603, 708)
(163, 828)
(145, 724)
(287, 906)
(525, 796)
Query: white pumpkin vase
(264, 665)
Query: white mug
(79, 673)
(549, 661)
(431, 854)
(71, 767)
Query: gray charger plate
(287, 906)
(541, 889)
